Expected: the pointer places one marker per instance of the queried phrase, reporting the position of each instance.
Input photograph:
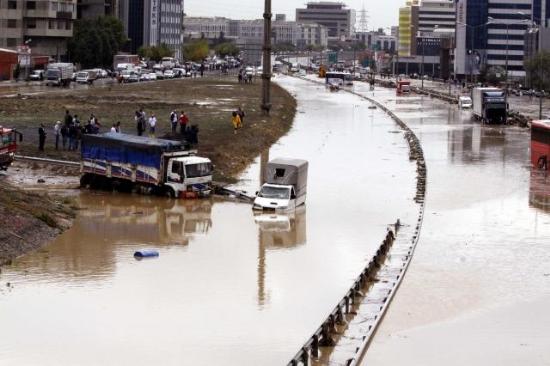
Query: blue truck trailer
(155, 165)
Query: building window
(12, 23)
(12, 42)
(12, 4)
(31, 24)
(31, 5)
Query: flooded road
(478, 289)
(229, 287)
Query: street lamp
(473, 27)
(539, 50)
(494, 21)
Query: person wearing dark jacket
(41, 137)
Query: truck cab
(8, 146)
(275, 197)
(285, 187)
(189, 176)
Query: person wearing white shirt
(113, 129)
(152, 125)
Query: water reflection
(109, 223)
(539, 190)
(475, 143)
(277, 232)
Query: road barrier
(363, 306)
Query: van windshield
(275, 192)
(198, 170)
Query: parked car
(37, 75)
(134, 77)
(464, 102)
(159, 74)
(152, 76)
(169, 74)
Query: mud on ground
(208, 102)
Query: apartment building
(204, 27)
(45, 26)
(434, 14)
(339, 20)
(90, 9)
(313, 34)
(492, 33)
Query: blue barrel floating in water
(146, 253)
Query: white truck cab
(286, 185)
(189, 174)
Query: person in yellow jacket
(236, 121)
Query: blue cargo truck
(153, 165)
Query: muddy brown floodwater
(229, 287)
(478, 289)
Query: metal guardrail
(322, 336)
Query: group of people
(245, 77)
(68, 133)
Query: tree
(495, 75)
(538, 70)
(227, 49)
(284, 47)
(155, 53)
(96, 41)
(196, 50)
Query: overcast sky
(382, 13)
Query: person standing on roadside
(184, 121)
(152, 125)
(64, 135)
(57, 130)
(139, 123)
(68, 119)
(41, 137)
(113, 128)
(236, 122)
(241, 114)
(117, 126)
(72, 136)
(202, 69)
(174, 121)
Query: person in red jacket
(184, 122)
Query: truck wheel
(169, 192)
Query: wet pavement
(229, 287)
(478, 289)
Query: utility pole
(266, 72)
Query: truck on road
(151, 165)
(489, 105)
(86, 76)
(8, 146)
(59, 74)
(285, 187)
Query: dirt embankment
(29, 220)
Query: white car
(151, 76)
(464, 102)
(169, 74)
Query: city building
(43, 26)
(209, 28)
(251, 32)
(131, 13)
(408, 28)
(492, 33)
(152, 22)
(436, 13)
(339, 20)
(313, 34)
(163, 24)
(378, 40)
(89, 9)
